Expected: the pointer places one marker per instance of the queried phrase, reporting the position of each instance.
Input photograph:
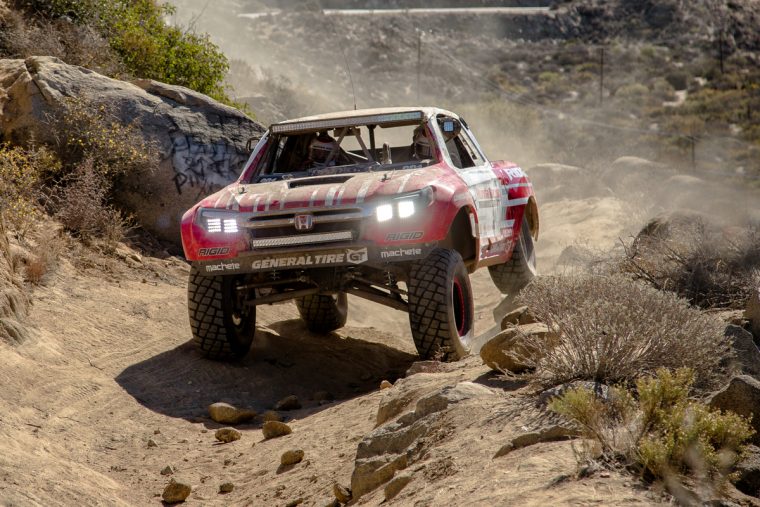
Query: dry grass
(14, 301)
(709, 266)
(51, 246)
(614, 330)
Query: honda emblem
(304, 222)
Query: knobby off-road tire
(441, 310)
(323, 314)
(222, 326)
(518, 271)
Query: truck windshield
(345, 150)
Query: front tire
(222, 325)
(323, 314)
(518, 271)
(441, 309)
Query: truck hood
(319, 191)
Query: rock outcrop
(396, 445)
(201, 143)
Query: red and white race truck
(395, 205)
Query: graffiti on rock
(204, 168)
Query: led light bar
(355, 121)
(302, 239)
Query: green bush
(662, 433)
(137, 32)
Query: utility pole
(601, 76)
(419, 63)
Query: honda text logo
(304, 222)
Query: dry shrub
(82, 206)
(661, 432)
(76, 44)
(709, 266)
(50, 247)
(20, 175)
(612, 329)
(13, 299)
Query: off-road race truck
(395, 205)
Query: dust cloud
(593, 178)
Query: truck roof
(353, 115)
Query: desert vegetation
(120, 39)
(659, 431)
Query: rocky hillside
(677, 82)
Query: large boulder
(201, 143)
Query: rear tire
(441, 309)
(323, 314)
(518, 271)
(222, 325)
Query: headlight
(406, 205)
(215, 221)
(384, 212)
(405, 209)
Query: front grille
(278, 229)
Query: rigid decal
(211, 252)
(404, 236)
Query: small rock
(227, 462)
(291, 457)
(518, 316)
(274, 429)
(152, 443)
(226, 487)
(176, 491)
(385, 385)
(396, 484)
(271, 415)
(288, 403)
(228, 414)
(156, 432)
(167, 470)
(293, 503)
(227, 435)
(342, 494)
(184, 441)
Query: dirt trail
(110, 366)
